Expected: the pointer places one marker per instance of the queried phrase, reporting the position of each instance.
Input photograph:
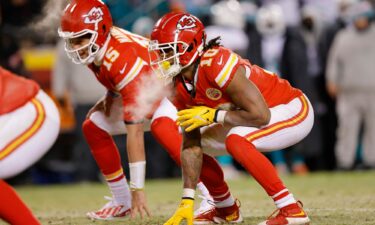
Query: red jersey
(124, 64)
(15, 91)
(215, 72)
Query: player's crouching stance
(227, 104)
(118, 60)
(29, 125)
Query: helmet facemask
(165, 58)
(177, 41)
(73, 52)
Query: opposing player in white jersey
(29, 125)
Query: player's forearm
(191, 163)
(135, 143)
(136, 156)
(256, 118)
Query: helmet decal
(186, 22)
(94, 16)
(177, 41)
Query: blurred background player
(274, 44)
(242, 109)
(350, 79)
(29, 125)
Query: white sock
(121, 192)
(283, 198)
(225, 203)
(204, 191)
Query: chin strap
(100, 55)
(195, 79)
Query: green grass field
(329, 199)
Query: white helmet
(270, 20)
(228, 13)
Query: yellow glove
(197, 116)
(184, 211)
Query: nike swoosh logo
(123, 68)
(220, 61)
(299, 214)
(205, 114)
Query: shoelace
(203, 205)
(209, 201)
(111, 203)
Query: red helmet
(85, 18)
(178, 40)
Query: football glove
(197, 116)
(184, 212)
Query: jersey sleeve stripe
(225, 73)
(134, 71)
(247, 72)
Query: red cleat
(289, 215)
(110, 211)
(215, 215)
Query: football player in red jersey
(29, 125)
(228, 105)
(120, 62)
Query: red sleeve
(220, 65)
(126, 72)
(126, 67)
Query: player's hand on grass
(184, 212)
(195, 117)
(139, 204)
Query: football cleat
(216, 215)
(292, 214)
(110, 211)
(206, 204)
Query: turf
(329, 198)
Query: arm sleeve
(221, 70)
(126, 78)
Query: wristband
(137, 175)
(188, 193)
(220, 116)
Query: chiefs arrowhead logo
(186, 22)
(213, 93)
(94, 16)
